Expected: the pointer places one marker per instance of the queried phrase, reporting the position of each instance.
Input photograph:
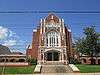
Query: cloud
(3, 32)
(11, 39)
(11, 33)
(8, 37)
(6, 33)
(10, 43)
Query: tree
(32, 61)
(89, 44)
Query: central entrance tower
(52, 43)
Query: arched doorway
(98, 61)
(21, 60)
(52, 55)
(93, 61)
(13, 60)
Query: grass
(88, 68)
(19, 70)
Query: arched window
(84, 60)
(52, 39)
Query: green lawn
(88, 68)
(18, 70)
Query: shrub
(32, 61)
(73, 61)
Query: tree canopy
(90, 43)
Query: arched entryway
(92, 61)
(98, 61)
(52, 55)
(21, 60)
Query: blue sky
(16, 29)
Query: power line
(66, 11)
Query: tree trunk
(92, 59)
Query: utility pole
(3, 70)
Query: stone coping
(38, 69)
(74, 68)
(15, 64)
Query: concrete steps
(55, 69)
(53, 63)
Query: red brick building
(51, 41)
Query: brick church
(51, 41)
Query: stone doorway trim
(52, 55)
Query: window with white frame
(52, 39)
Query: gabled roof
(4, 50)
(52, 16)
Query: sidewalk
(59, 74)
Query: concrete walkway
(59, 74)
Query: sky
(16, 28)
